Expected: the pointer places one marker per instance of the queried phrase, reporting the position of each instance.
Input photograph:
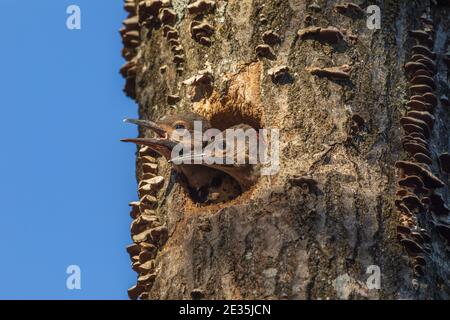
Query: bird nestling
(206, 182)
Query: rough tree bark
(312, 230)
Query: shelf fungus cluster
(421, 209)
(159, 13)
(329, 35)
(131, 40)
(147, 231)
(350, 9)
(201, 30)
(265, 50)
(332, 36)
(334, 73)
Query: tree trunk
(312, 230)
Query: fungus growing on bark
(130, 87)
(412, 148)
(264, 51)
(148, 202)
(147, 254)
(423, 158)
(413, 203)
(177, 59)
(418, 89)
(412, 248)
(278, 73)
(201, 7)
(422, 72)
(149, 167)
(411, 124)
(148, 266)
(131, 23)
(167, 16)
(419, 49)
(413, 182)
(307, 184)
(330, 35)
(146, 278)
(270, 37)
(133, 249)
(135, 291)
(413, 66)
(201, 30)
(173, 99)
(134, 209)
(337, 73)
(410, 168)
(424, 80)
(130, 7)
(419, 105)
(159, 235)
(125, 70)
(142, 236)
(420, 58)
(422, 115)
(404, 230)
(430, 98)
(422, 36)
(152, 7)
(350, 9)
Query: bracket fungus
(173, 99)
(130, 7)
(201, 7)
(419, 105)
(415, 125)
(271, 38)
(351, 9)
(265, 51)
(201, 31)
(167, 16)
(413, 66)
(152, 7)
(423, 80)
(135, 291)
(425, 116)
(410, 168)
(420, 49)
(278, 73)
(412, 248)
(422, 36)
(330, 35)
(423, 158)
(337, 73)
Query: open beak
(191, 158)
(162, 146)
(150, 125)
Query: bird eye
(179, 127)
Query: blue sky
(66, 180)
